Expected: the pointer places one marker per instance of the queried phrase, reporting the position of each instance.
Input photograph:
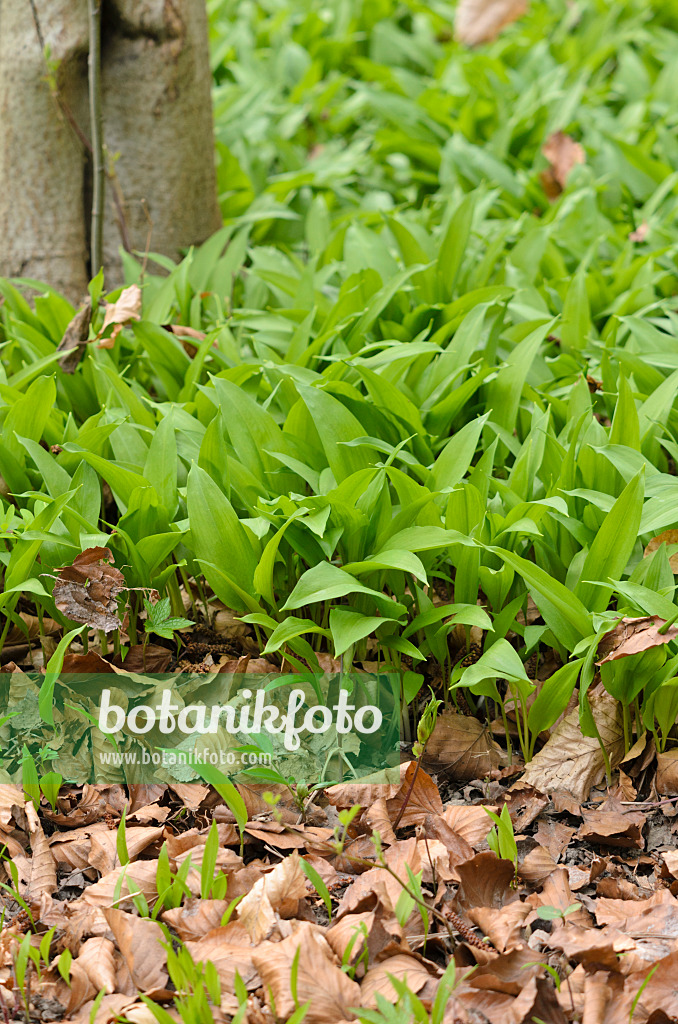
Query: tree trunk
(157, 129)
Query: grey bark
(157, 122)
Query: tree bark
(157, 131)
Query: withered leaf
(563, 154)
(86, 591)
(462, 746)
(481, 21)
(75, 337)
(278, 892)
(330, 992)
(121, 312)
(573, 762)
(97, 960)
(667, 537)
(140, 941)
(633, 635)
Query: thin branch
(96, 122)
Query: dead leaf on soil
(462, 746)
(572, 762)
(75, 337)
(667, 772)
(403, 968)
(139, 940)
(563, 154)
(422, 795)
(668, 536)
(230, 950)
(278, 892)
(631, 636)
(481, 21)
(120, 313)
(97, 960)
(320, 982)
(86, 591)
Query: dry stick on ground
(96, 121)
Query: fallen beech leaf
(230, 950)
(421, 794)
(154, 659)
(471, 823)
(658, 1000)
(485, 881)
(109, 1009)
(507, 972)
(502, 926)
(347, 794)
(481, 21)
(562, 153)
(278, 892)
(404, 968)
(668, 536)
(573, 762)
(138, 877)
(554, 836)
(75, 337)
(631, 636)
(462, 746)
(320, 982)
(385, 937)
(196, 917)
(667, 773)
(10, 796)
(43, 867)
(139, 940)
(103, 848)
(97, 960)
(86, 591)
(613, 827)
(121, 312)
(458, 849)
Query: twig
(96, 123)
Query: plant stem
(96, 122)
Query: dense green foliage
(416, 366)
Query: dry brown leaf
(481, 21)
(320, 982)
(631, 636)
(87, 590)
(195, 917)
(502, 926)
(471, 823)
(75, 337)
(230, 950)
(43, 867)
(385, 937)
(554, 836)
(485, 881)
(139, 940)
(138, 878)
(668, 536)
(420, 795)
(613, 826)
(667, 772)
(278, 892)
(120, 313)
(103, 849)
(346, 794)
(462, 746)
(404, 968)
(563, 154)
(97, 961)
(572, 762)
